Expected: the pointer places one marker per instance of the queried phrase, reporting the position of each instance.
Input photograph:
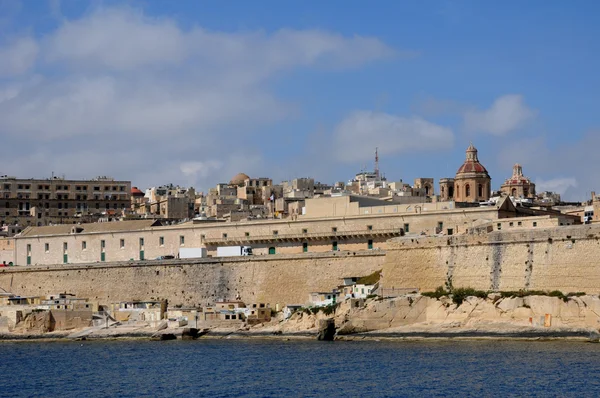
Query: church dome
(471, 164)
(517, 178)
(238, 179)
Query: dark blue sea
(266, 368)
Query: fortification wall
(561, 258)
(275, 279)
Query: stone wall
(563, 258)
(7, 250)
(276, 279)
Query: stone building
(518, 186)
(57, 200)
(446, 189)
(426, 184)
(472, 183)
(350, 226)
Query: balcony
(316, 236)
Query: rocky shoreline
(410, 317)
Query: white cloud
(197, 169)
(506, 114)
(558, 185)
(126, 86)
(391, 134)
(122, 39)
(18, 56)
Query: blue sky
(193, 92)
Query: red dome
(471, 164)
(136, 192)
(471, 167)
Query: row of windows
(468, 190)
(272, 250)
(161, 242)
(65, 205)
(512, 224)
(334, 247)
(120, 188)
(304, 231)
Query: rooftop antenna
(376, 164)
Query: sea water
(277, 368)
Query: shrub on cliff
(459, 295)
(437, 294)
(558, 294)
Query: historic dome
(472, 182)
(471, 164)
(518, 185)
(517, 177)
(136, 192)
(238, 179)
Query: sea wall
(561, 258)
(274, 279)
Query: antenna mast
(376, 163)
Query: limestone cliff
(420, 315)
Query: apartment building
(37, 202)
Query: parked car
(167, 257)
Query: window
(182, 240)
(535, 223)
(275, 233)
(467, 190)
(161, 241)
(102, 244)
(83, 245)
(440, 225)
(519, 223)
(224, 236)
(122, 243)
(305, 247)
(334, 230)
(450, 231)
(499, 225)
(65, 246)
(247, 234)
(480, 190)
(271, 250)
(47, 247)
(510, 224)
(202, 237)
(406, 228)
(141, 241)
(369, 227)
(304, 230)
(28, 249)
(370, 244)
(334, 246)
